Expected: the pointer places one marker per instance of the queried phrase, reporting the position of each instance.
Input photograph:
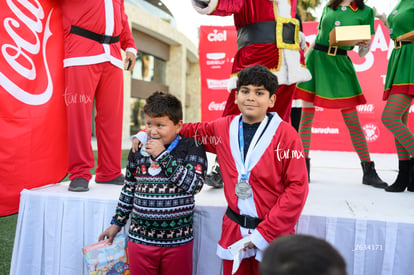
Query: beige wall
(182, 74)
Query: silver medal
(243, 189)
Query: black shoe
(370, 175)
(410, 185)
(308, 168)
(403, 177)
(78, 185)
(117, 181)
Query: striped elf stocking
(359, 142)
(305, 128)
(394, 118)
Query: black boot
(370, 175)
(403, 177)
(410, 185)
(308, 167)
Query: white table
(54, 224)
(372, 229)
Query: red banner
(33, 139)
(216, 50)
(329, 131)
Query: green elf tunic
(400, 71)
(334, 82)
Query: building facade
(167, 61)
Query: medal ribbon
(169, 149)
(243, 175)
(173, 144)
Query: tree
(304, 9)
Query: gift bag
(102, 258)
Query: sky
(188, 20)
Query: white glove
(302, 40)
(201, 3)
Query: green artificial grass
(7, 231)
(8, 227)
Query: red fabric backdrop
(33, 142)
(218, 46)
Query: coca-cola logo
(216, 106)
(23, 50)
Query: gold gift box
(349, 35)
(409, 36)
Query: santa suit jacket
(277, 174)
(102, 17)
(287, 64)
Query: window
(148, 76)
(137, 115)
(149, 68)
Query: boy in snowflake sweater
(158, 193)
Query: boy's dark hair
(333, 4)
(161, 104)
(301, 255)
(258, 75)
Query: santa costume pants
(104, 83)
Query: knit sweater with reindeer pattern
(158, 194)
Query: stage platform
(373, 229)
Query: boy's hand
(154, 147)
(251, 245)
(136, 144)
(110, 233)
(138, 140)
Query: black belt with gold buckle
(398, 44)
(331, 50)
(259, 32)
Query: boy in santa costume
(263, 169)
(94, 33)
(267, 34)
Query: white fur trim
(291, 70)
(284, 8)
(260, 242)
(89, 60)
(212, 5)
(132, 50)
(232, 84)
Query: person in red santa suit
(267, 34)
(94, 33)
(264, 172)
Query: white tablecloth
(54, 224)
(372, 229)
